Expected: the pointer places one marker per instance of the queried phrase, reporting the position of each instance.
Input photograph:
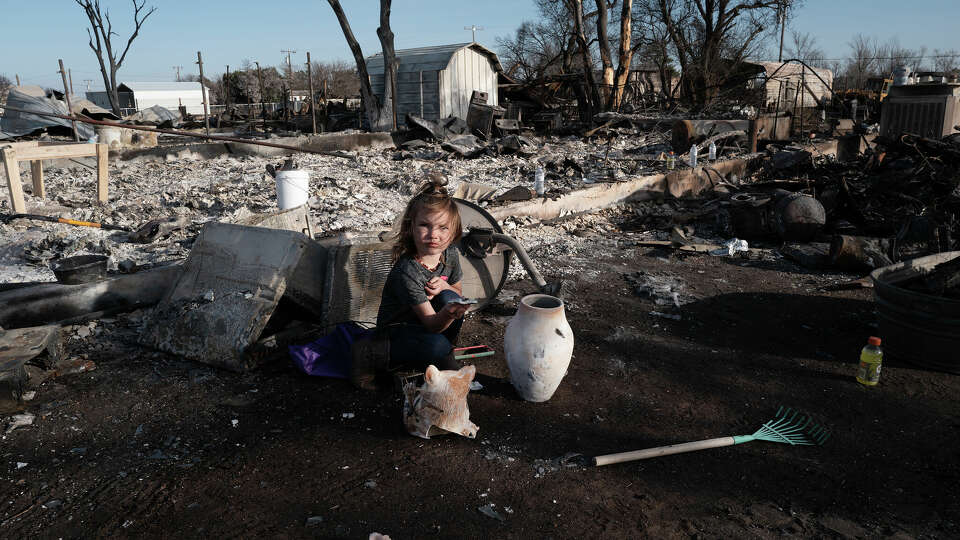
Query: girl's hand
(435, 286)
(454, 311)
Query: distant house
(437, 82)
(136, 96)
(783, 81)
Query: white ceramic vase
(538, 344)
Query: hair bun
(436, 184)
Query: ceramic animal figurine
(439, 405)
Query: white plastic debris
(234, 422)
(20, 420)
(731, 247)
(488, 511)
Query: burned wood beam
(51, 303)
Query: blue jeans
(413, 346)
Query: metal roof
(439, 55)
(160, 86)
(791, 69)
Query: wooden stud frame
(35, 152)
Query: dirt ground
(149, 445)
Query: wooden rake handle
(610, 459)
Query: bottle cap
(875, 341)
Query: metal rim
(507, 254)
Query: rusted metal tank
(798, 217)
(922, 329)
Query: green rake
(788, 426)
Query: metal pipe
(178, 132)
(524, 258)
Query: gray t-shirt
(405, 286)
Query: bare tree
(624, 55)
(5, 85)
(379, 115)
(712, 37)
(101, 42)
(338, 77)
(544, 48)
(653, 45)
(891, 55)
(591, 102)
(947, 61)
(861, 62)
(603, 43)
(804, 47)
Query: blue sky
(36, 33)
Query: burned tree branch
(375, 111)
(103, 32)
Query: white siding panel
(192, 99)
(469, 71)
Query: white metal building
(136, 96)
(437, 82)
(784, 81)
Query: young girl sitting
(417, 311)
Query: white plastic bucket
(293, 188)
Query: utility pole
(177, 69)
(226, 87)
(66, 94)
(263, 108)
(286, 96)
(70, 71)
(203, 92)
(18, 79)
(783, 25)
(473, 29)
(313, 101)
(289, 66)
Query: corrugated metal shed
(436, 82)
(783, 80)
(143, 95)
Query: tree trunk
(593, 97)
(625, 56)
(388, 109)
(114, 95)
(603, 42)
(371, 105)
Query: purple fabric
(328, 356)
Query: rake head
(790, 426)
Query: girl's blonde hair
(431, 197)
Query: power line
(917, 57)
